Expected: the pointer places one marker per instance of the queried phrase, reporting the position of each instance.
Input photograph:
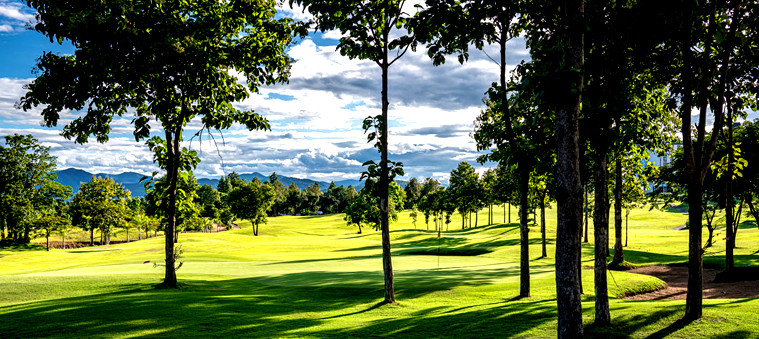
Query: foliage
(27, 185)
(101, 204)
(164, 62)
(252, 201)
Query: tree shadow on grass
(243, 308)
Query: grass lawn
(316, 277)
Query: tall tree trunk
(729, 201)
(543, 224)
(627, 235)
(92, 236)
(509, 213)
(569, 188)
(504, 213)
(387, 264)
(694, 296)
(586, 216)
(63, 241)
(524, 276)
(476, 217)
(172, 170)
(601, 231)
(463, 220)
(47, 242)
(618, 254)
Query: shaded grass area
(216, 306)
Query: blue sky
(316, 118)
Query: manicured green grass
(316, 277)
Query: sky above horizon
(316, 119)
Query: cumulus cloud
(316, 119)
(13, 16)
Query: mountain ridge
(74, 177)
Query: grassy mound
(622, 285)
(622, 266)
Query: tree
(365, 208)
(366, 28)
(426, 199)
(101, 204)
(50, 224)
(311, 197)
(414, 215)
(707, 90)
(413, 193)
(279, 192)
(185, 207)
(167, 60)
(331, 199)
(489, 183)
(209, 202)
(361, 211)
(292, 198)
(464, 184)
(252, 201)
(27, 184)
(562, 95)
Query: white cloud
(14, 16)
(14, 11)
(297, 12)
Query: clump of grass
(622, 266)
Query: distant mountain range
(130, 180)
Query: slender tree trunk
(586, 216)
(504, 213)
(172, 170)
(693, 299)
(47, 242)
(579, 265)
(509, 213)
(627, 234)
(384, 184)
(601, 231)
(92, 236)
(476, 217)
(543, 224)
(63, 241)
(127, 232)
(524, 276)
(569, 188)
(729, 201)
(618, 254)
(139, 233)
